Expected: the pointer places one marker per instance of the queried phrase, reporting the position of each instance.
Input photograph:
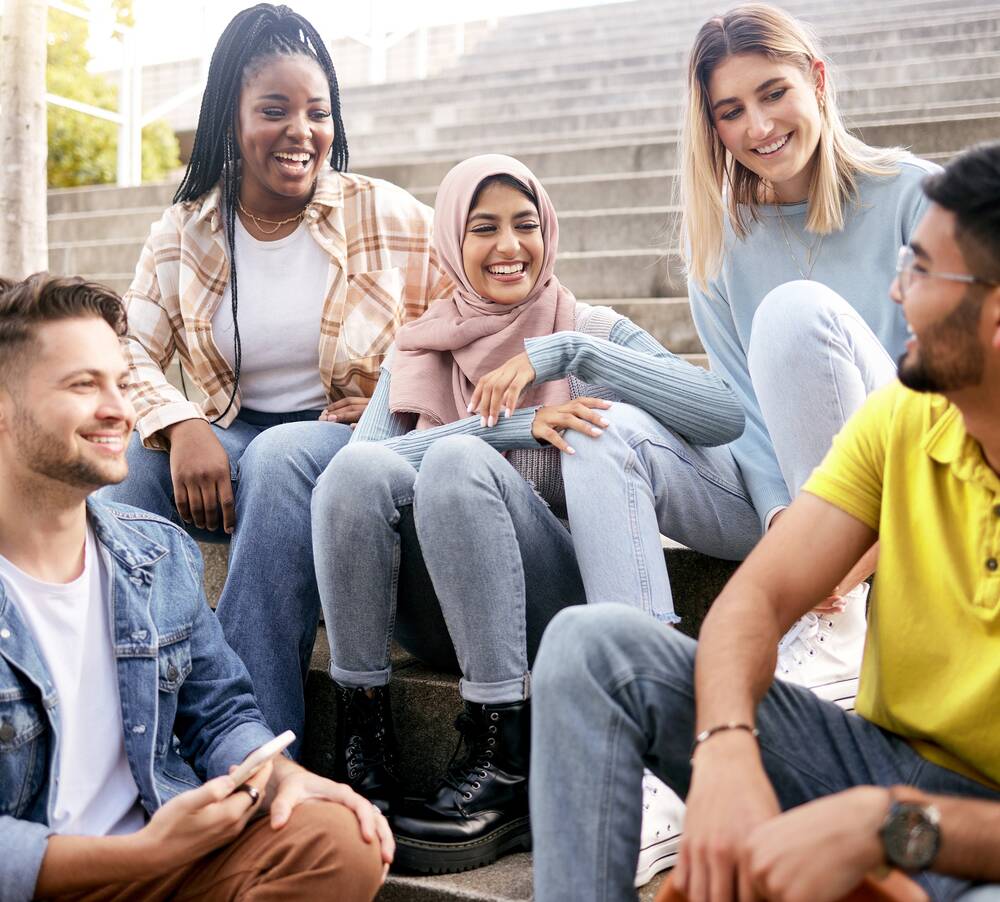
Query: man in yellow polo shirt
(912, 779)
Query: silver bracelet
(721, 728)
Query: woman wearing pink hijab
(443, 529)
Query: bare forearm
(736, 657)
(78, 863)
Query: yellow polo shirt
(906, 467)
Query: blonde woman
(792, 228)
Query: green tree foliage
(83, 149)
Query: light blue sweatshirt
(859, 263)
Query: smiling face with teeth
(284, 130)
(502, 251)
(67, 421)
(766, 114)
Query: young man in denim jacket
(122, 709)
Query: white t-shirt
(96, 794)
(281, 291)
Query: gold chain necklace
(812, 250)
(277, 223)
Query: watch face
(911, 837)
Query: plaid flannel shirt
(383, 273)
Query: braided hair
(253, 36)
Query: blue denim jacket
(188, 710)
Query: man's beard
(46, 454)
(949, 357)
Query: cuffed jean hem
(360, 679)
(503, 693)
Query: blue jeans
(463, 564)
(641, 479)
(638, 480)
(614, 692)
(269, 607)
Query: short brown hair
(44, 298)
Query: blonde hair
(706, 166)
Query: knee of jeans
(790, 319)
(628, 426)
(286, 448)
(587, 639)
(454, 463)
(362, 469)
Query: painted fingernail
(469, 408)
(490, 422)
(605, 422)
(569, 450)
(482, 422)
(507, 413)
(595, 431)
(333, 417)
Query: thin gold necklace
(277, 223)
(812, 250)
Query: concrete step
(673, 31)
(962, 55)
(657, 118)
(425, 703)
(629, 190)
(871, 30)
(862, 93)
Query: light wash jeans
(269, 607)
(463, 561)
(813, 361)
(640, 479)
(614, 692)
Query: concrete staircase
(590, 99)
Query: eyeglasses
(907, 259)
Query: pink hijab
(440, 357)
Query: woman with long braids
(279, 280)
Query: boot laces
(471, 761)
(368, 749)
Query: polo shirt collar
(948, 443)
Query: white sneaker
(823, 651)
(662, 821)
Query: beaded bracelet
(721, 728)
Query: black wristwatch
(911, 836)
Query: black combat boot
(480, 809)
(366, 745)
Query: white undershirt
(95, 794)
(281, 290)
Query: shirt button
(172, 672)
(7, 732)
(991, 564)
(4, 634)
(139, 728)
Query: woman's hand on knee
(581, 415)
(501, 389)
(199, 469)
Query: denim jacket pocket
(174, 665)
(373, 310)
(23, 754)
